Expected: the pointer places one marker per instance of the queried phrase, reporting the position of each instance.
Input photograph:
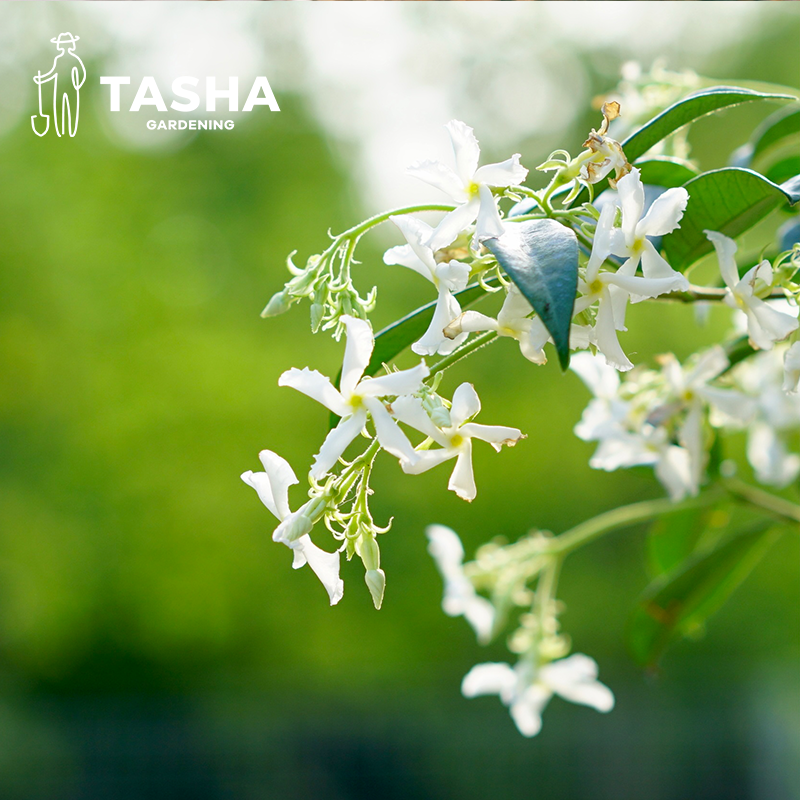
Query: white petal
(502, 174)
(766, 325)
(336, 442)
(665, 213)
(453, 274)
(495, 435)
(428, 459)
(674, 471)
(391, 438)
(769, 458)
(407, 381)
(654, 266)
(404, 256)
(601, 246)
(465, 148)
(574, 679)
(466, 404)
(601, 379)
(409, 411)
(416, 233)
(490, 678)
(692, 437)
(357, 352)
(471, 322)
(646, 287)
(325, 566)
(709, 364)
(605, 335)
(434, 340)
(619, 297)
(726, 255)
(624, 450)
(462, 479)
(516, 308)
(489, 224)
(791, 366)
(631, 197)
(441, 176)
(527, 711)
(480, 614)
(261, 483)
(281, 477)
(453, 223)
(446, 548)
(316, 386)
(532, 344)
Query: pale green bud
(278, 304)
(317, 311)
(376, 583)
(370, 552)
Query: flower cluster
(676, 417)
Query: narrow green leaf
(689, 109)
(541, 257)
(680, 114)
(666, 172)
(729, 200)
(678, 603)
(774, 129)
(672, 538)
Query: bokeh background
(154, 642)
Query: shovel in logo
(41, 116)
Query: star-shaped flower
(272, 486)
(455, 439)
(357, 398)
(468, 185)
(527, 690)
(460, 597)
(765, 324)
(446, 277)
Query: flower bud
(292, 528)
(376, 583)
(317, 311)
(277, 305)
(370, 552)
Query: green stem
(784, 509)
(623, 517)
(470, 347)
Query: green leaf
(773, 130)
(672, 538)
(783, 170)
(678, 603)
(729, 200)
(680, 114)
(541, 257)
(666, 172)
(689, 109)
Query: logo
(67, 76)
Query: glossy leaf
(541, 257)
(730, 201)
(773, 130)
(666, 172)
(678, 603)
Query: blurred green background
(154, 642)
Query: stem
(623, 517)
(463, 352)
(777, 506)
(360, 229)
(708, 293)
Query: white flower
(513, 321)
(356, 398)
(460, 597)
(631, 241)
(455, 439)
(791, 366)
(606, 153)
(612, 290)
(272, 486)
(526, 690)
(765, 324)
(606, 413)
(447, 278)
(777, 419)
(468, 185)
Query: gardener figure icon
(67, 76)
